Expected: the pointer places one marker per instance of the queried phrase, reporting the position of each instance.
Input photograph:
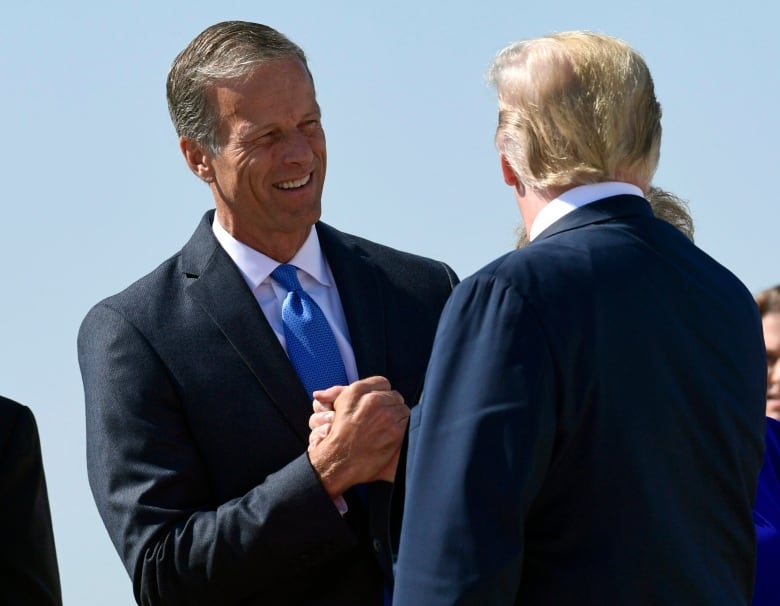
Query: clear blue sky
(96, 193)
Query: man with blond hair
(591, 427)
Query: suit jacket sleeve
(479, 443)
(28, 562)
(152, 486)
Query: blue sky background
(96, 193)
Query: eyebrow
(248, 129)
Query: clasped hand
(357, 433)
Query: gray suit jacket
(197, 427)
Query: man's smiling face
(269, 172)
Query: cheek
(252, 173)
(318, 147)
(321, 152)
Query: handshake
(356, 434)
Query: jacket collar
(360, 291)
(606, 209)
(216, 284)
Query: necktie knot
(287, 276)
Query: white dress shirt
(576, 197)
(314, 275)
(316, 279)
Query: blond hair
(576, 108)
(672, 209)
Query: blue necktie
(312, 349)
(311, 345)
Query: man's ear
(197, 159)
(510, 177)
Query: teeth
(293, 184)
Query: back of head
(576, 108)
(225, 51)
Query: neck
(278, 245)
(530, 202)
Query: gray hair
(226, 51)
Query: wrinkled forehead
(273, 93)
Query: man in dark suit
(591, 426)
(197, 421)
(28, 561)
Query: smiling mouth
(293, 184)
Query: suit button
(377, 545)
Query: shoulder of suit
(12, 414)
(166, 274)
(532, 272)
(171, 269)
(371, 248)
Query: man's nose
(297, 148)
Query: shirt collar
(576, 197)
(255, 267)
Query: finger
(329, 394)
(366, 389)
(320, 406)
(320, 418)
(390, 399)
(375, 383)
(403, 415)
(361, 387)
(395, 409)
(400, 398)
(319, 433)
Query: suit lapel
(361, 298)
(218, 287)
(360, 291)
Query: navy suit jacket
(197, 427)
(28, 561)
(591, 428)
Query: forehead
(272, 91)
